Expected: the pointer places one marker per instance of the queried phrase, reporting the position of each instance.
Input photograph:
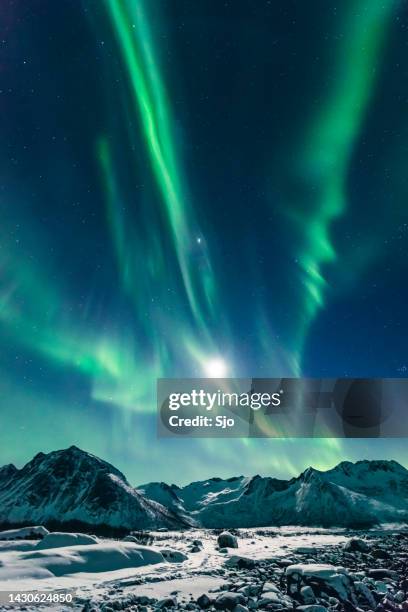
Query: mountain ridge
(357, 494)
(71, 485)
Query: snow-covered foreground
(87, 568)
(184, 565)
(92, 568)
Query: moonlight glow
(216, 368)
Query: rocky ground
(362, 573)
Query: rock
(399, 596)
(312, 608)
(195, 549)
(363, 590)
(167, 602)
(285, 562)
(130, 538)
(197, 543)
(173, 556)
(228, 601)
(380, 573)
(241, 562)
(143, 600)
(240, 608)
(307, 595)
(250, 589)
(275, 600)
(381, 587)
(328, 578)
(269, 598)
(269, 586)
(380, 553)
(204, 601)
(356, 545)
(305, 550)
(227, 540)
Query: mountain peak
(7, 472)
(371, 465)
(310, 473)
(73, 485)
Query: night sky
(188, 183)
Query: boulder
(241, 562)
(329, 579)
(356, 545)
(167, 602)
(227, 540)
(380, 573)
(380, 553)
(228, 601)
(173, 556)
(130, 538)
(307, 595)
(204, 601)
(364, 592)
(270, 586)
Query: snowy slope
(383, 480)
(72, 485)
(196, 495)
(106, 556)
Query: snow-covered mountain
(360, 494)
(383, 480)
(72, 485)
(167, 495)
(193, 497)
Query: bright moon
(216, 368)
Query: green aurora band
(134, 38)
(324, 156)
(176, 317)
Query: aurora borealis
(186, 184)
